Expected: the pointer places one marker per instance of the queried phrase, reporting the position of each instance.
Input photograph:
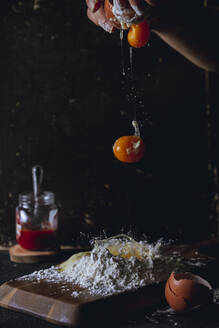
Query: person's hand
(96, 14)
(126, 11)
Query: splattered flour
(103, 273)
(112, 266)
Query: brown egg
(184, 291)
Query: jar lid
(45, 198)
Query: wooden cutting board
(53, 301)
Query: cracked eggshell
(129, 14)
(108, 8)
(185, 291)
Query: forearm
(195, 36)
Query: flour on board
(111, 267)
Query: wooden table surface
(162, 317)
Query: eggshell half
(130, 16)
(108, 8)
(185, 291)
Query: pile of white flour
(102, 273)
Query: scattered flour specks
(103, 273)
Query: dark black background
(63, 102)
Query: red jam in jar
(37, 239)
(37, 226)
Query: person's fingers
(151, 3)
(155, 3)
(94, 5)
(99, 18)
(137, 6)
(123, 11)
(121, 4)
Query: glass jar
(37, 224)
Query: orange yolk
(139, 35)
(129, 149)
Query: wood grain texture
(54, 301)
(48, 301)
(20, 255)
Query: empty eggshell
(184, 291)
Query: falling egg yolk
(139, 34)
(129, 149)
